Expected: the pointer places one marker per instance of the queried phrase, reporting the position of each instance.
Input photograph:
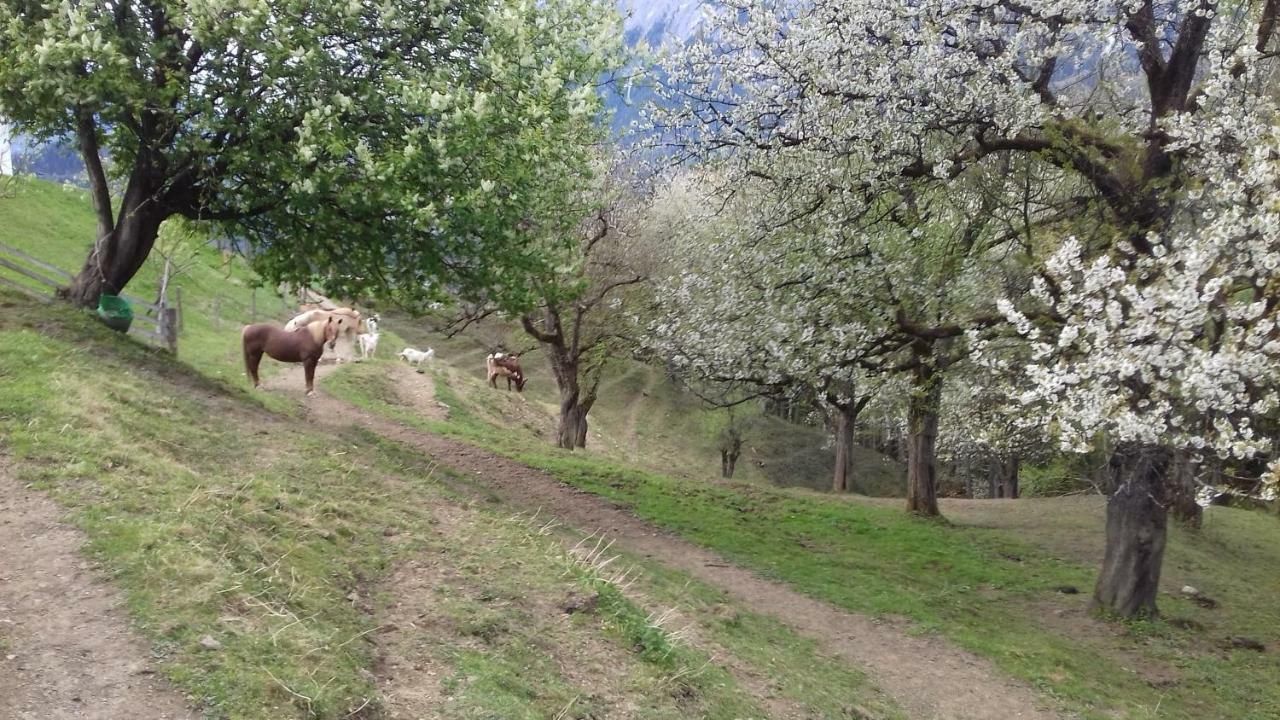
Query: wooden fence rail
(40, 280)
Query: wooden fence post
(169, 328)
(177, 292)
(253, 306)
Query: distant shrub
(1051, 479)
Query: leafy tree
(581, 300)
(1151, 121)
(399, 148)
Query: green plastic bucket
(115, 312)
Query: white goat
(368, 341)
(415, 357)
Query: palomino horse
(304, 345)
(351, 325)
(355, 322)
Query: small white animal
(415, 357)
(368, 341)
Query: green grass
(987, 589)
(56, 225)
(265, 556)
(666, 430)
(202, 538)
(219, 517)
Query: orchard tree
(389, 148)
(839, 298)
(580, 298)
(711, 320)
(1153, 119)
(986, 435)
(580, 318)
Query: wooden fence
(155, 323)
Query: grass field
(989, 578)
(219, 512)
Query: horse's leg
(252, 358)
(309, 367)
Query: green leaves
(395, 148)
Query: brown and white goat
(508, 366)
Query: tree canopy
(397, 148)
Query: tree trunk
(1182, 487)
(120, 248)
(572, 430)
(728, 461)
(1007, 477)
(846, 418)
(1136, 529)
(565, 356)
(580, 439)
(730, 450)
(922, 429)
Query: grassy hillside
(223, 519)
(991, 578)
(644, 418)
(56, 224)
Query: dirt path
(65, 649)
(927, 676)
(418, 391)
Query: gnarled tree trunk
(571, 431)
(575, 402)
(124, 240)
(1137, 524)
(923, 407)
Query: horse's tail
(244, 347)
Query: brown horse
(304, 345)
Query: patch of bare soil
(291, 378)
(927, 676)
(65, 649)
(417, 390)
(409, 675)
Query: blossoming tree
(840, 302)
(382, 147)
(1152, 122)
